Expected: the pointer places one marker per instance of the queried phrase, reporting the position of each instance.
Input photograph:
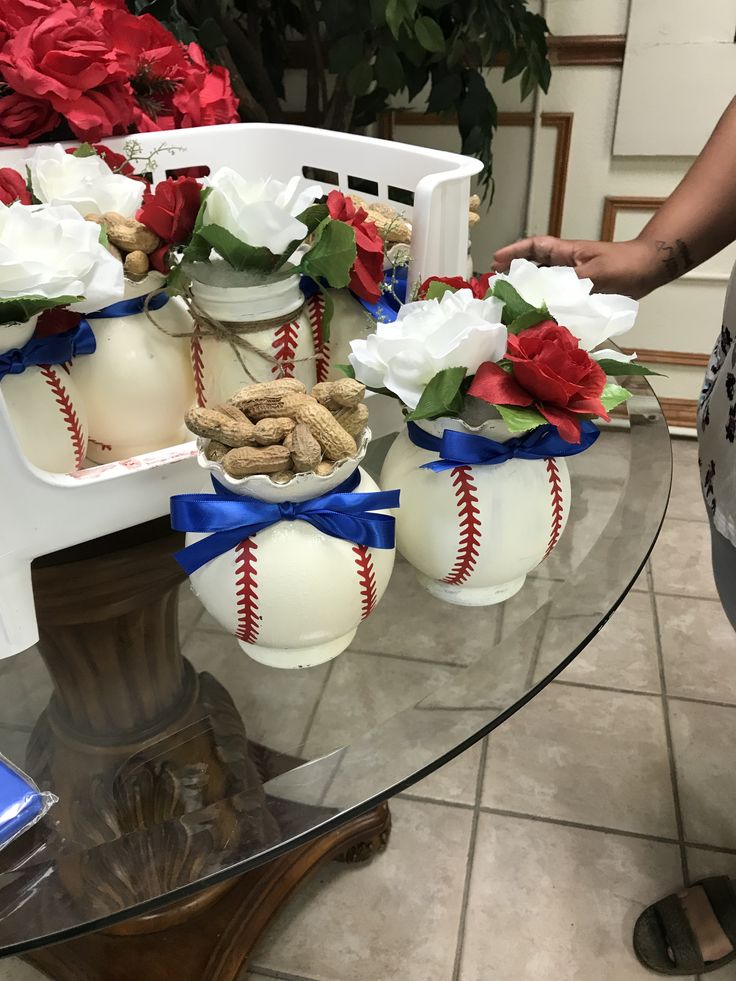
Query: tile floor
(529, 857)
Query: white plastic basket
(45, 512)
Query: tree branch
(249, 107)
(317, 97)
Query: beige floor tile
(14, 969)
(363, 690)
(641, 584)
(578, 754)
(276, 705)
(410, 622)
(703, 738)
(456, 781)
(681, 560)
(549, 903)
(698, 647)
(622, 655)
(686, 499)
(395, 919)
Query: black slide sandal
(665, 925)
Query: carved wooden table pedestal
(141, 750)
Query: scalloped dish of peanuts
(278, 429)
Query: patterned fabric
(717, 425)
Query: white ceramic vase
(474, 532)
(292, 595)
(277, 320)
(138, 383)
(46, 408)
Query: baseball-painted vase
(270, 313)
(46, 408)
(292, 595)
(138, 384)
(474, 532)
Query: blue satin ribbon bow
(457, 449)
(127, 308)
(57, 349)
(232, 518)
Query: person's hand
(633, 268)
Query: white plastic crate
(45, 512)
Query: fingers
(543, 249)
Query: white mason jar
(45, 406)
(274, 318)
(292, 595)
(138, 383)
(474, 532)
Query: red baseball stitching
(102, 446)
(367, 578)
(469, 514)
(68, 411)
(195, 351)
(246, 593)
(316, 312)
(555, 487)
(284, 346)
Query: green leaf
(314, 215)
(513, 304)
(346, 369)
(389, 70)
(346, 52)
(211, 35)
(429, 34)
(614, 395)
(332, 256)
(237, 253)
(442, 396)
(612, 367)
(526, 320)
(436, 290)
(85, 150)
(397, 12)
(22, 308)
(359, 78)
(327, 314)
(446, 90)
(519, 419)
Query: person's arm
(697, 220)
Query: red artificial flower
(205, 97)
(23, 119)
(115, 161)
(106, 111)
(20, 13)
(367, 272)
(56, 321)
(170, 210)
(479, 286)
(550, 372)
(13, 187)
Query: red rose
(21, 13)
(13, 187)
(170, 211)
(106, 111)
(478, 286)
(56, 321)
(550, 372)
(23, 119)
(61, 56)
(367, 272)
(205, 97)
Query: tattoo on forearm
(675, 258)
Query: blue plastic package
(22, 804)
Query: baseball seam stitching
(367, 578)
(284, 346)
(246, 592)
(555, 487)
(68, 411)
(316, 312)
(469, 515)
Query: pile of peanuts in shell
(129, 241)
(277, 428)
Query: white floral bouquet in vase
(501, 377)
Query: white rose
(591, 317)
(457, 330)
(259, 212)
(51, 251)
(86, 183)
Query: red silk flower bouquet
(91, 69)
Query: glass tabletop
(422, 681)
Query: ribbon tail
(373, 531)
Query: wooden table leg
(134, 738)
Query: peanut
(246, 461)
(274, 430)
(353, 420)
(282, 477)
(343, 392)
(305, 450)
(336, 443)
(391, 229)
(225, 409)
(215, 450)
(273, 407)
(474, 202)
(473, 219)
(251, 393)
(215, 425)
(130, 235)
(324, 469)
(136, 264)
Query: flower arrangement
(91, 69)
(523, 346)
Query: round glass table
(197, 788)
